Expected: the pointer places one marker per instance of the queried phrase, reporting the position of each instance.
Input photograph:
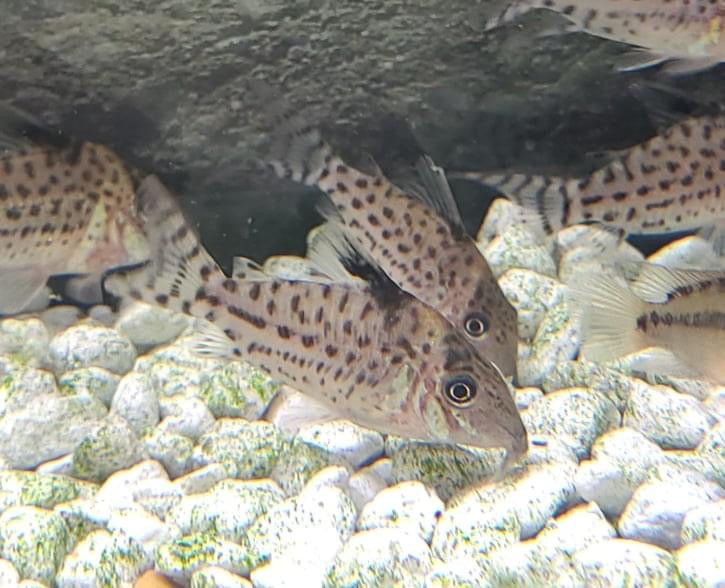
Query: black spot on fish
(283, 332)
(254, 291)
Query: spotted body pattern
(680, 310)
(417, 238)
(673, 182)
(383, 360)
(64, 210)
(692, 31)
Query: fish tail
(547, 196)
(179, 265)
(609, 313)
(298, 151)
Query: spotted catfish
(689, 32)
(416, 236)
(66, 207)
(672, 182)
(366, 351)
(679, 310)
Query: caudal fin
(547, 196)
(609, 312)
(179, 264)
(298, 151)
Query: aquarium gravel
(123, 452)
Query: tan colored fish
(416, 236)
(692, 32)
(672, 182)
(366, 351)
(682, 311)
(66, 207)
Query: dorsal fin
(179, 265)
(336, 255)
(657, 283)
(429, 185)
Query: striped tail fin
(547, 196)
(298, 151)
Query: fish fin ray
(609, 311)
(637, 59)
(298, 151)
(658, 360)
(179, 264)
(431, 187)
(656, 283)
(20, 288)
(333, 254)
(690, 65)
(291, 411)
(210, 341)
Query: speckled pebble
(88, 345)
(147, 530)
(25, 337)
(179, 559)
(575, 415)
(702, 563)
(517, 247)
(202, 479)
(351, 442)
(34, 540)
(146, 484)
(619, 562)
(532, 295)
(705, 522)
(574, 530)
(313, 526)
(526, 564)
(185, 415)
(366, 483)
(111, 447)
(657, 508)
(236, 389)
(252, 448)
(228, 508)
(408, 506)
(48, 427)
(147, 326)
(137, 401)
(103, 559)
(97, 382)
(216, 577)
(556, 340)
(381, 557)
(174, 451)
(45, 491)
(18, 388)
(670, 419)
(444, 468)
(614, 472)
(455, 573)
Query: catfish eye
(476, 324)
(460, 390)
